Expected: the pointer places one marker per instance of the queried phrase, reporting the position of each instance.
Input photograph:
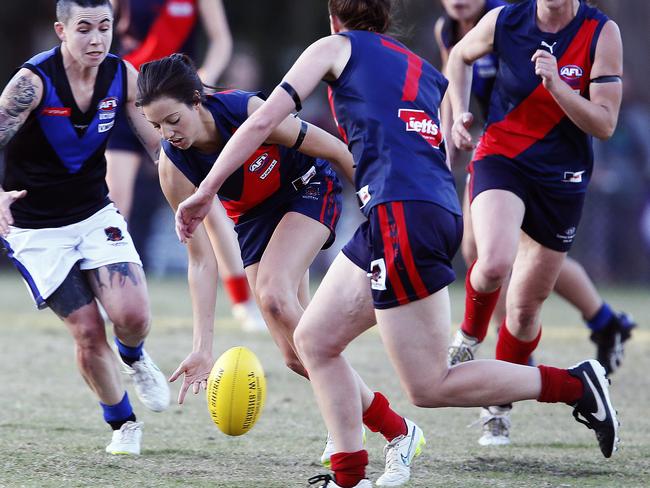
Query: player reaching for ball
(387, 99)
(284, 200)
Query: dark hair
(63, 7)
(367, 15)
(174, 76)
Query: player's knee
(274, 303)
(494, 270)
(523, 316)
(133, 321)
(314, 347)
(425, 397)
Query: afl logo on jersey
(571, 72)
(108, 104)
(419, 121)
(106, 110)
(256, 165)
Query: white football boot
(127, 439)
(249, 316)
(150, 384)
(330, 483)
(326, 457)
(463, 348)
(495, 422)
(400, 453)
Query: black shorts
(552, 215)
(406, 248)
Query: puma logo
(548, 46)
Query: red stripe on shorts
(326, 200)
(389, 255)
(405, 246)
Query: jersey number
(413, 71)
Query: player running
(285, 201)
(386, 99)
(62, 232)
(557, 84)
(609, 329)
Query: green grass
(52, 433)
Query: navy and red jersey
(386, 105)
(525, 124)
(58, 154)
(266, 177)
(484, 69)
(160, 27)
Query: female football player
(284, 200)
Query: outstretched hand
(191, 213)
(6, 199)
(196, 368)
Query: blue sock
(602, 317)
(129, 354)
(118, 414)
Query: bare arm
(317, 142)
(325, 58)
(477, 43)
(146, 134)
(220, 40)
(446, 118)
(597, 115)
(20, 97)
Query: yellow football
(236, 391)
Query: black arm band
(606, 79)
(301, 135)
(293, 94)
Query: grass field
(52, 433)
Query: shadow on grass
(532, 467)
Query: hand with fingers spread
(191, 213)
(546, 68)
(460, 132)
(196, 368)
(6, 199)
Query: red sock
(478, 309)
(559, 386)
(381, 418)
(514, 350)
(237, 289)
(349, 467)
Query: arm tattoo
(14, 109)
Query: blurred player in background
(285, 202)
(530, 171)
(152, 29)
(63, 233)
(386, 99)
(610, 330)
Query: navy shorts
(320, 200)
(406, 248)
(552, 215)
(122, 137)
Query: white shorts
(44, 257)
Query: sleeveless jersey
(484, 69)
(386, 105)
(265, 178)
(162, 27)
(525, 124)
(58, 154)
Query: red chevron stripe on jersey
(531, 120)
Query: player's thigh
(340, 310)
(416, 337)
(226, 247)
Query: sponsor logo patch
(57, 111)
(180, 9)
(573, 176)
(364, 196)
(105, 127)
(422, 123)
(568, 236)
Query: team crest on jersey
(422, 123)
(568, 236)
(113, 234)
